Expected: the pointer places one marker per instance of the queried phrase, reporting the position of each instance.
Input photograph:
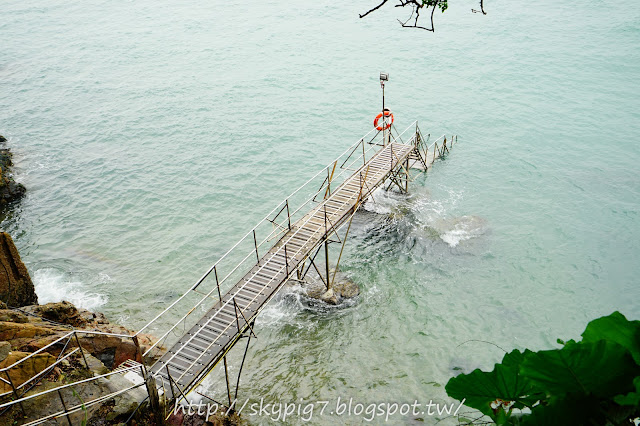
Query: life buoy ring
(387, 113)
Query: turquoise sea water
(152, 135)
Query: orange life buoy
(387, 113)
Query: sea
(152, 135)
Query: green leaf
(632, 398)
(615, 328)
(568, 410)
(602, 368)
(481, 389)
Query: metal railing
(244, 254)
(236, 262)
(68, 345)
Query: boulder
(2, 139)
(25, 370)
(9, 315)
(5, 349)
(330, 297)
(16, 287)
(60, 312)
(10, 190)
(13, 331)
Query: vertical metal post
(15, 392)
(406, 184)
(215, 272)
(328, 183)
(235, 398)
(326, 258)
(81, 351)
(173, 393)
(226, 376)
(384, 130)
(288, 215)
(364, 158)
(65, 408)
(391, 169)
(235, 306)
(255, 243)
(286, 259)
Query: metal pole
(406, 184)
(255, 243)
(384, 130)
(65, 408)
(226, 376)
(235, 398)
(215, 271)
(288, 215)
(81, 351)
(286, 259)
(173, 393)
(15, 392)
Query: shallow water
(152, 136)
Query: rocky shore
(33, 339)
(10, 190)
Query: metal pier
(292, 253)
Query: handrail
(68, 385)
(244, 237)
(251, 252)
(281, 269)
(283, 226)
(361, 140)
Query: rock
(346, 289)
(25, 370)
(61, 312)
(9, 315)
(330, 297)
(5, 349)
(110, 350)
(16, 287)
(9, 189)
(12, 331)
(314, 288)
(2, 139)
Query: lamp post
(384, 76)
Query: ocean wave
(53, 285)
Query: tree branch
(375, 8)
(416, 5)
(481, 8)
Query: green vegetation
(593, 381)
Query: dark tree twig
(375, 8)
(481, 8)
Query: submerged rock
(342, 288)
(16, 287)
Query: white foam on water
(381, 202)
(54, 286)
(463, 228)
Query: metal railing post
(81, 351)
(15, 393)
(288, 215)
(255, 243)
(215, 273)
(286, 259)
(65, 408)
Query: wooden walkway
(200, 349)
